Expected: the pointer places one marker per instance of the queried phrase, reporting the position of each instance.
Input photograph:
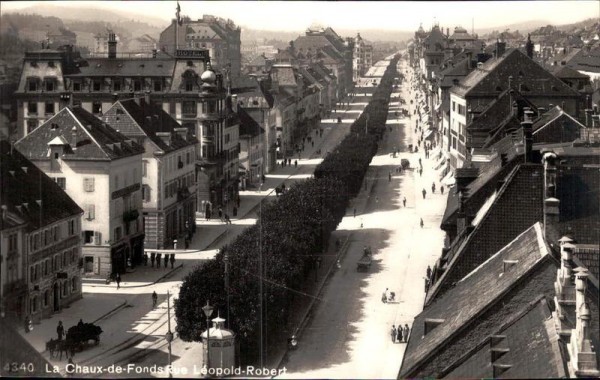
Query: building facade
(168, 169)
(40, 237)
(101, 170)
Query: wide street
(349, 334)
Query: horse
(51, 346)
(66, 347)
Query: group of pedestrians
(400, 334)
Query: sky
(391, 15)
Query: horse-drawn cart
(364, 263)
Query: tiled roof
(284, 75)
(461, 306)
(499, 111)
(589, 255)
(532, 348)
(586, 60)
(29, 186)
(565, 72)
(146, 119)
(516, 204)
(96, 141)
(492, 77)
(127, 67)
(248, 126)
(555, 126)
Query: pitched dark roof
(146, 119)
(555, 126)
(23, 183)
(587, 59)
(462, 305)
(502, 216)
(248, 126)
(127, 67)
(531, 349)
(95, 139)
(492, 77)
(566, 72)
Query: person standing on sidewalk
(433, 188)
(424, 192)
(394, 332)
(405, 332)
(166, 260)
(421, 223)
(404, 201)
(60, 331)
(118, 279)
(399, 334)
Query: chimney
(182, 132)
(551, 203)
(465, 176)
(500, 48)
(447, 32)
(566, 254)
(479, 65)
(74, 138)
(165, 137)
(112, 45)
(234, 103)
(470, 60)
(529, 47)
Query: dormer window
(97, 85)
(189, 85)
(76, 86)
(190, 63)
(117, 85)
(137, 85)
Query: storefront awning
(449, 179)
(429, 134)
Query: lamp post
(169, 335)
(208, 310)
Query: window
(97, 85)
(189, 85)
(189, 108)
(144, 168)
(50, 63)
(96, 108)
(88, 264)
(49, 85)
(88, 237)
(137, 85)
(157, 85)
(33, 85)
(117, 182)
(12, 242)
(74, 284)
(61, 181)
(453, 106)
(32, 108)
(76, 86)
(117, 85)
(88, 184)
(146, 193)
(31, 125)
(49, 110)
(71, 227)
(172, 108)
(211, 106)
(187, 158)
(46, 297)
(57, 235)
(118, 234)
(90, 212)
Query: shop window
(32, 108)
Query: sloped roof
(555, 115)
(30, 186)
(248, 126)
(471, 296)
(285, 75)
(127, 67)
(492, 77)
(566, 72)
(521, 191)
(586, 59)
(146, 119)
(96, 141)
(533, 349)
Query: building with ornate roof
(362, 58)
(40, 237)
(168, 169)
(101, 169)
(219, 36)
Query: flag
(179, 21)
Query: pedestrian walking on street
(145, 259)
(221, 214)
(158, 256)
(424, 192)
(166, 260)
(390, 177)
(405, 333)
(118, 279)
(404, 201)
(442, 189)
(354, 214)
(421, 173)
(384, 296)
(394, 333)
(428, 271)
(60, 331)
(172, 259)
(295, 163)
(433, 188)
(399, 334)
(152, 258)
(421, 223)
(154, 299)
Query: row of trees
(272, 259)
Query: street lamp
(169, 335)
(208, 310)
